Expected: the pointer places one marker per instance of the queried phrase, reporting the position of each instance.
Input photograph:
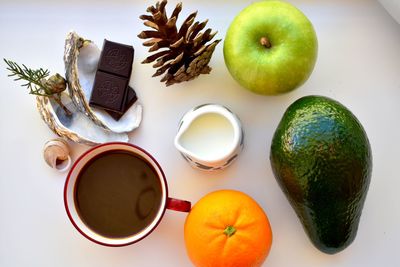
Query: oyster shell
(80, 58)
(78, 128)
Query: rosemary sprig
(38, 83)
(34, 78)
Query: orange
(225, 229)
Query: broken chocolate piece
(131, 98)
(109, 92)
(116, 58)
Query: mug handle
(178, 205)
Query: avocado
(321, 159)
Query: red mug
(70, 203)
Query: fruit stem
(265, 42)
(230, 230)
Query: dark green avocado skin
(321, 158)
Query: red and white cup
(70, 203)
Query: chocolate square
(109, 92)
(116, 58)
(131, 98)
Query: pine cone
(186, 54)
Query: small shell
(56, 154)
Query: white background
(358, 65)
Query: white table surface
(358, 65)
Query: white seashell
(78, 128)
(81, 58)
(56, 154)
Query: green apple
(270, 47)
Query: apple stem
(265, 42)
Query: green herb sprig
(38, 83)
(34, 78)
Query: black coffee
(117, 194)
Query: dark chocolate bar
(131, 98)
(114, 69)
(109, 92)
(116, 59)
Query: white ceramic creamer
(209, 137)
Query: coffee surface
(118, 194)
